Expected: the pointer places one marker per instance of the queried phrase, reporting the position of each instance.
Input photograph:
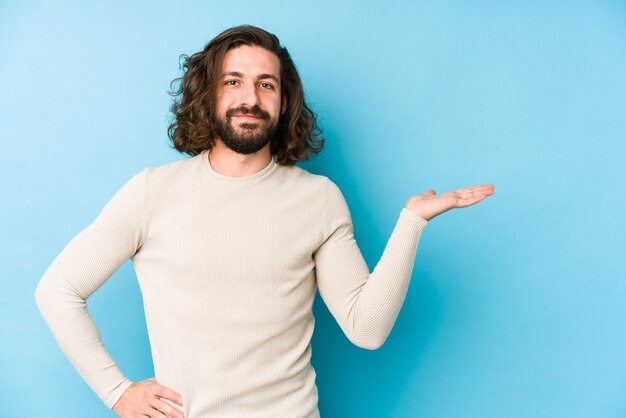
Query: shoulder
(303, 179)
(331, 196)
(171, 169)
(169, 179)
(171, 176)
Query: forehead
(251, 61)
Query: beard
(247, 138)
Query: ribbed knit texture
(228, 268)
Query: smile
(247, 117)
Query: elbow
(369, 342)
(46, 298)
(370, 346)
(41, 297)
(366, 332)
(56, 300)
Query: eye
(230, 82)
(268, 86)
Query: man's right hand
(142, 399)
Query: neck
(229, 163)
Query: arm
(364, 304)
(87, 261)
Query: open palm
(429, 204)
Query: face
(248, 99)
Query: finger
(471, 193)
(464, 195)
(167, 393)
(476, 193)
(479, 187)
(168, 409)
(470, 200)
(488, 189)
(155, 413)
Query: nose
(249, 95)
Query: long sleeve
(86, 262)
(364, 305)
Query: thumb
(430, 192)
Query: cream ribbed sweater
(228, 268)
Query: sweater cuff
(117, 393)
(414, 219)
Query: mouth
(247, 117)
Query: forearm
(380, 299)
(65, 312)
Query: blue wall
(516, 305)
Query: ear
(283, 107)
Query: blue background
(516, 305)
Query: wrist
(421, 213)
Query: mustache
(254, 110)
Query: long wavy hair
(192, 128)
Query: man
(230, 246)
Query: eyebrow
(259, 77)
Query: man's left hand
(429, 204)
